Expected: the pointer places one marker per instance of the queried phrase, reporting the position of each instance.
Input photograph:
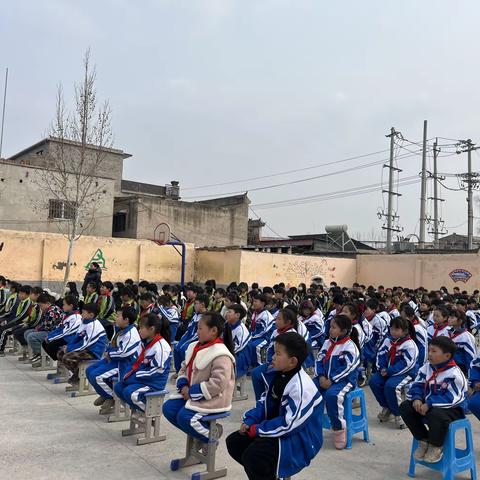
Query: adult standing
(94, 275)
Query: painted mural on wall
(99, 258)
(460, 275)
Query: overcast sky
(213, 91)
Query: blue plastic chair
(355, 423)
(454, 460)
(193, 456)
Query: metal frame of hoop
(175, 242)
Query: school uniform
(338, 361)
(473, 317)
(30, 323)
(21, 313)
(398, 358)
(91, 298)
(316, 328)
(435, 330)
(107, 313)
(63, 334)
(10, 307)
(421, 340)
(466, 348)
(393, 313)
(122, 353)
(443, 388)
(285, 428)
(188, 337)
(474, 379)
(379, 332)
(88, 344)
(330, 317)
(386, 317)
(171, 314)
(241, 337)
(149, 373)
(261, 330)
(3, 299)
(209, 372)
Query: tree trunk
(71, 244)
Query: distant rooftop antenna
(3, 110)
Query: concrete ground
(44, 434)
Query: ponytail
(161, 325)
(224, 330)
(354, 338)
(345, 323)
(404, 324)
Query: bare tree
(71, 180)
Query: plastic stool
(454, 460)
(355, 423)
(194, 456)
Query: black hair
(15, 286)
(209, 291)
(280, 290)
(221, 291)
(152, 287)
(237, 308)
(233, 297)
(71, 300)
(25, 289)
(73, 288)
(353, 308)
(290, 316)
(143, 284)
(373, 304)
(165, 300)
(293, 308)
(267, 290)
(211, 283)
(407, 310)
(338, 298)
(202, 298)
(93, 285)
(3, 280)
(294, 344)
(108, 285)
(261, 297)
(147, 296)
(129, 314)
(127, 291)
(161, 325)
(444, 310)
(454, 312)
(445, 344)
(45, 298)
(36, 291)
(344, 323)
(404, 324)
(214, 319)
(128, 281)
(91, 308)
(254, 286)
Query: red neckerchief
(254, 319)
(186, 307)
(435, 373)
(392, 353)
(416, 321)
(284, 329)
(196, 349)
(437, 328)
(371, 317)
(141, 357)
(453, 334)
(393, 307)
(355, 321)
(345, 339)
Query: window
(60, 209)
(119, 222)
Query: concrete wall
(24, 206)
(39, 259)
(204, 224)
(223, 266)
(429, 271)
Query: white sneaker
(433, 455)
(399, 423)
(420, 452)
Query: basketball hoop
(162, 233)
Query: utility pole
(3, 111)
(423, 193)
(470, 195)
(390, 216)
(436, 220)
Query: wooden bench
(148, 422)
(194, 456)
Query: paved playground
(46, 435)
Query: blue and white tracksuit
(421, 341)
(122, 353)
(173, 318)
(439, 386)
(474, 379)
(90, 336)
(473, 318)
(400, 371)
(298, 425)
(67, 328)
(386, 316)
(393, 313)
(261, 330)
(434, 331)
(316, 328)
(379, 332)
(328, 321)
(337, 361)
(151, 376)
(241, 337)
(466, 348)
(188, 337)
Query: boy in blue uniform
(283, 433)
(436, 398)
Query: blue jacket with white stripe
(342, 363)
(298, 426)
(124, 348)
(405, 361)
(67, 328)
(91, 336)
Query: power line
(308, 179)
(266, 224)
(348, 159)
